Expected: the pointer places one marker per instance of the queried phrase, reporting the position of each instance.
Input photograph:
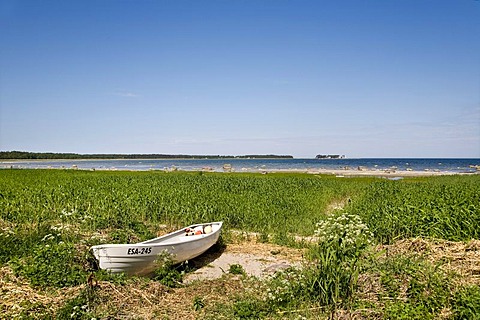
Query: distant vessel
(330, 156)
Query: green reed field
(135, 203)
(49, 219)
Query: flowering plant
(345, 231)
(285, 286)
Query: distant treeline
(18, 155)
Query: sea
(451, 165)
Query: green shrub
(249, 309)
(18, 240)
(166, 273)
(345, 232)
(236, 269)
(80, 307)
(466, 303)
(430, 289)
(413, 288)
(400, 310)
(55, 264)
(286, 286)
(343, 238)
(331, 276)
(198, 303)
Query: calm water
(253, 165)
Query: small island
(329, 156)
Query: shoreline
(374, 172)
(362, 167)
(339, 173)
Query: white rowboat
(139, 258)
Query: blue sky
(361, 78)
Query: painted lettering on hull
(143, 250)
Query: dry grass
(463, 258)
(17, 295)
(458, 258)
(144, 299)
(264, 250)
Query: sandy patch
(256, 259)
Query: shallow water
(254, 165)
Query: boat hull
(141, 258)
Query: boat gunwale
(160, 241)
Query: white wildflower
(347, 229)
(48, 237)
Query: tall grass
(95, 207)
(131, 205)
(49, 219)
(99, 200)
(443, 207)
